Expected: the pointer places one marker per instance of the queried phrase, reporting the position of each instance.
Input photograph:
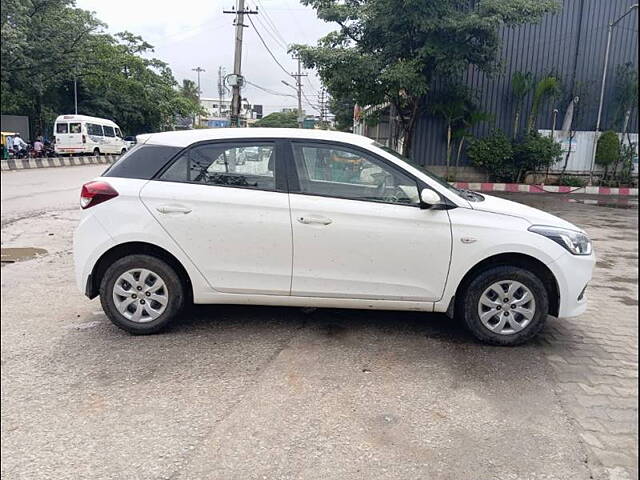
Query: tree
(46, 44)
(626, 96)
(278, 120)
(382, 55)
(453, 104)
(547, 87)
(607, 151)
(342, 108)
(521, 85)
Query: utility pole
(237, 82)
(298, 78)
(198, 70)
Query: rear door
(230, 217)
(68, 137)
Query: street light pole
(75, 88)
(75, 94)
(198, 70)
(602, 89)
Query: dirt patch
(12, 255)
(625, 279)
(631, 302)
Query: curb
(49, 162)
(523, 188)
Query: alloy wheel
(140, 295)
(506, 307)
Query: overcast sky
(191, 33)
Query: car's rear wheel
(141, 294)
(505, 305)
(96, 152)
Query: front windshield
(431, 175)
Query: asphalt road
(253, 392)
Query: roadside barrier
(25, 163)
(563, 189)
(49, 162)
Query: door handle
(314, 219)
(173, 209)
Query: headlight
(576, 242)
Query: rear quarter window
(142, 161)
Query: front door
(230, 216)
(359, 231)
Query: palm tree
(521, 85)
(547, 87)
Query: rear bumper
(573, 273)
(90, 239)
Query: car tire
(123, 151)
(504, 306)
(141, 294)
(96, 152)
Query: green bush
(572, 182)
(494, 154)
(608, 151)
(534, 153)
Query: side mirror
(430, 198)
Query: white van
(80, 134)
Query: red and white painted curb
(522, 188)
(49, 162)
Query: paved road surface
(32, 192)
(240, 392)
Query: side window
(94, 129)
(339, 171)
(75, 128)
(246, 165)
(62, 128)
(109, 131)
(118, 133)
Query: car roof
(184, 138)
(80, 118)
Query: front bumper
(573, 273)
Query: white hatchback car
(316, 219)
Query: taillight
(94, 193)
(84, 138)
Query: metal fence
(569, 44)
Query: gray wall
(16, 123)
(570, 44)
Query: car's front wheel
(141, 294)
(505, 305)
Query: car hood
(532, 215)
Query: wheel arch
(520, 260)
(131, 248)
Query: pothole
(19, 254)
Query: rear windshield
(142, 161)
(62, 128)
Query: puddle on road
(623, 203)
(12, 255)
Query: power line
(270, 21)
(268, 30)
(268, 49)
(268, 90)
